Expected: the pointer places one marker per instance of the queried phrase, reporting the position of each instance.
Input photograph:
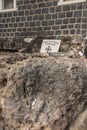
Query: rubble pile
(35, 45)
(12, 44)
(73, 45)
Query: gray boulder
(42, 92)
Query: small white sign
(28, 40)
(50, 46)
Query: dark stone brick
(26, 2)
(32, 24)
(10, 25)
(55, 27)
(73, 7)
(79, 6)
(1, 26)
(37, 11)
(41, 17)
(45, 10)
(35, 17)
(9, 14)
(23, 18)
(5, 15)
(44, 23)
(69, 14)
(65, 21)
(1, 15)
(39, 33)
(77, 25)
(54, 16)
(52, 10)
(58, 9)
(29, 18)
(8, 20)
(3, 20)
(47, 28)
(33, 1)
(27, 12)
(85, 5)
(65, 32)
(19, 7)
(7, 34)
(66, 8)
(58, 22)
(55, 3)
(58, 32)
(24, 29)
(27, 24)
(12, 19)
(24, 7)
(28, 29)
(72, 20)
(77, 13)
(29, 6)
(6, 25)
(72, 31)
(8, 30)
(21, 13)
(85, 13)
(5, 30)
(48, 4)
(37, 23)
(63, 26)
(0, 30)
(79, 20)
(35, 6)
(84, 20)
(34, 29)
(48, 16)
(20, 24)
(50, 33)
(17, 19)
(20, 2)
(13, 29)
(84, 26)
(51, 22)
(70, 26)
(41, 5)
(78, 31)
(61, 15)
(15, 14)
(19, 29)
(31, 12)
(84, 33)
(39, 28)
(39, 0)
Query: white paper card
(28, 40)
(50, 46)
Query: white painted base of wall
(8, 10)
(70, 2)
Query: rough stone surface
(75, 45)
(42, 92)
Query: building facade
(26, 18)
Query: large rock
(42, 92)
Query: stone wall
(44, 17)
